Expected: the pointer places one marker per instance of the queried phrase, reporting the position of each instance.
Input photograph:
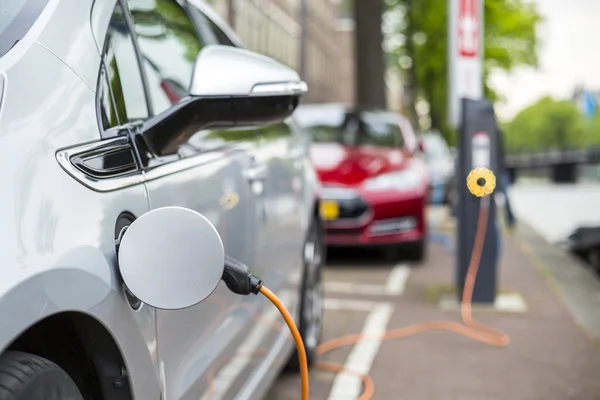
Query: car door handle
(256, 173)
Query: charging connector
(238, 278)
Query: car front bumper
(379, 219)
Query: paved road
(549, 356)
(361, 288)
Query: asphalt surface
(553, 353)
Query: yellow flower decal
(481, 182)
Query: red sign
(468, 28)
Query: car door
(109, 167)
(281, 152)
(207, 175)
(278, 164)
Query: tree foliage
(417, 43)
(549, 124)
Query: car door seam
(67, 65)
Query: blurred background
(541, 71)
(539, 65)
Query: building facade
(273, 28)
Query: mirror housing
(231, 87)
(171, 258)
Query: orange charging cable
(469, 328)
(295, 333)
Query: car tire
(418, 251)
(311, 304)
(25, 376)
(593, 258)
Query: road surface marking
(350, 305)
(355, 288)
(227, 375)
(362, 356)
(395, 285)
(396, 282)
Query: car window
(324, 124)
(16, 19)
(122, 90)
(107, 109)
(379, 129)
(209, 30)
(169, 44)
(221, 36)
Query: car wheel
(311, 306)
(418, 250)
(594, 259)
(28, 377)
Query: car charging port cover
(171, 258)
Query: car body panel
(386, 210)
(68, 35)
(57, 237)
(264, 229)
(58, 234)
(188, 352)
(351, 166)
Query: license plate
(330, 210)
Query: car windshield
(16, 19)
(379, 128)
(324, 124)
(334, 125)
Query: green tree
(547, 124)
(595, 129)
(417, 42)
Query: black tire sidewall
(316, 229)
(26, 376)
(51, 385)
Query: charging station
(474, 118)
(478, 147)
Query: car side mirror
(171, 258)
(230, 87)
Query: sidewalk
(550, 357)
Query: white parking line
(396, 282)
(360, 360)
(355, 288)
(395, 285)
(227, 375)
(350, 305)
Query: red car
(375, 189)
